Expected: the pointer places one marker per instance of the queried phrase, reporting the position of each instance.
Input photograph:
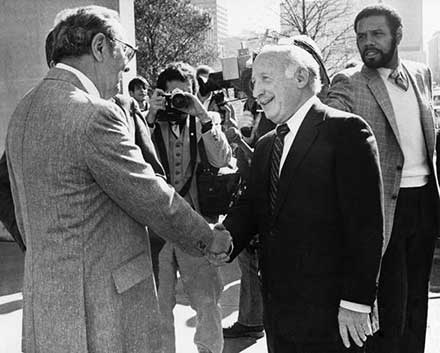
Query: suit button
(394, 197)
(399, 167)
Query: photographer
(176, 132)
(214, 101)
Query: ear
(99, 42)
(302, 77)
(399, 35)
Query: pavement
(11, 275)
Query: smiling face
(377, 45)
(275, 86)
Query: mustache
(371, 49)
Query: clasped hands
(221, 247)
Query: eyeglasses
(129, 50)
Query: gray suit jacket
(83, 195)
(360, 90)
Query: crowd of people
(334, 229)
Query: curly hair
(393, 18)
(178, 71)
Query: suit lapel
(426, 117)
(304, 139)
(380, 93)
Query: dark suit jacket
(323, 243)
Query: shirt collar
(385, 72)
(300, 114)
(85, 81)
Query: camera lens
(179, 101)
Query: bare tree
(328, 22)
(170, 30)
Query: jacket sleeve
(340, 93)
(217, 149)
(117, 165)
(359, 188)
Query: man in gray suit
(394, 97)
(83, 193)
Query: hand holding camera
(175, 106)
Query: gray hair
(296, 58)
(75, 28)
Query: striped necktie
(277, 151)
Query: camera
(234, 75)
(173, 103)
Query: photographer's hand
(157, 102)
(196, 108)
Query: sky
(257, 15)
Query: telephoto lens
(179, 101)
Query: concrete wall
(24, 25)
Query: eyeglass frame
(133, 49)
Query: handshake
(221, 247)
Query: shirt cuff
(360, 308)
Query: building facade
(434, 57)
(411, 11)
(219, 14)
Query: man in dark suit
(314, 197)
(394, 97)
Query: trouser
(281, 343)
(404, 277)
(202, 283)
(250, 311)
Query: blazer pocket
(132, 272)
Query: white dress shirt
(294, 124)
(85, 81)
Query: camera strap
(160, 143)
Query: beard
(383, 57)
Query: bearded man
(394, 97)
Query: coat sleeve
(218, 151)
(117, 165)
(241, 221)
(359, 188)
(340, 93)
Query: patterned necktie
(277, 150)
(400, 79)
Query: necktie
(400, 79)
(277, 150)
(175, 129)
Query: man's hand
(355, 325)
(218, 254)
(195, 107)
(157, 102)
(233, 135)
(246, 120)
